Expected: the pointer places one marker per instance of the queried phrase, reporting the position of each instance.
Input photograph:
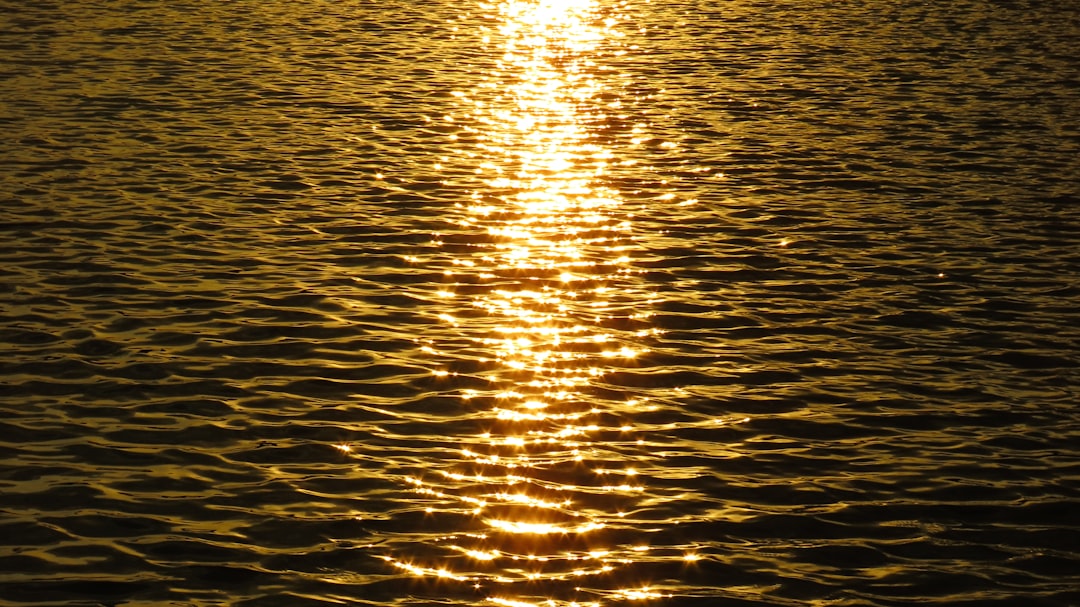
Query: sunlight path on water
(540, 266)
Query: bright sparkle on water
(556, 249)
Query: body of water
(540, 303)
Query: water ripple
(681, 303)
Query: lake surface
(518, 303)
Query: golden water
(539, 302)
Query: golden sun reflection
(543, 277)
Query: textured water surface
(539, 303)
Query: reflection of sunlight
(515, 603)
(426, 571)
(541, 528)
(521, 498)
(639, 593)
(546, 272)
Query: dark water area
(609, 302)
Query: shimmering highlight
(556, 248)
